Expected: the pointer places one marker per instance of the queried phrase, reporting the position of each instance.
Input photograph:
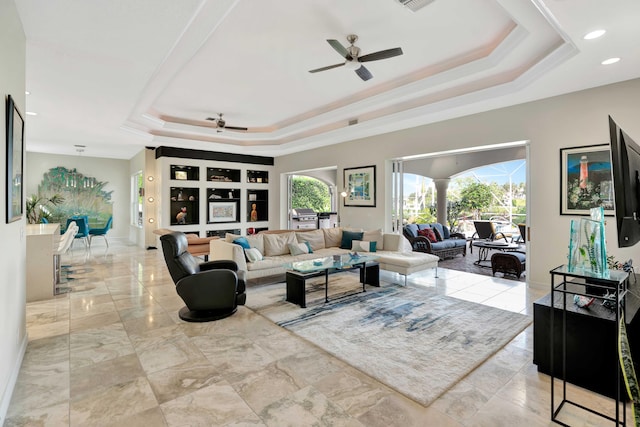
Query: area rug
(409, 338)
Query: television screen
(625, 166)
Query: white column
(441, 191)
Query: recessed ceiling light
(610, 61)
(594, 34)
(31, 113)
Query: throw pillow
(429, 234)
(298, 248)
(309, 246)
(363, 246)
(253, 255)
(437, 227)
(348, 237)
(242, 241)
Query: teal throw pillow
(242, 241)
(348, 237)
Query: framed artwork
(360, 186)
(222, 211)
(585, 180)
(15, 154)
(182, 175)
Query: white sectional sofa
(276, 248)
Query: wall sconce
(151, 200)
(151, 220)
(150, 178)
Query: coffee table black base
(296, 282)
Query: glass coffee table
(299, 272)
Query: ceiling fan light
(352, 65)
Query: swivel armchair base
(204, 316)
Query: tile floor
(114, 352)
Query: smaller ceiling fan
(222, 124)
(353, 60)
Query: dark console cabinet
(590, 339)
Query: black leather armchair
(211, 290)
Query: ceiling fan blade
(235, 128)
(327, 67)
(383, 54)
(364, 73)
(339, 48)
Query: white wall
(136, 164)
(113, 171)
(13, 333)
(564, 121)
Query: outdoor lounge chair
(486, 230)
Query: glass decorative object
(587, 247)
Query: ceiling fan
(353, 60)
(222, 124)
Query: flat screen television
(625, 166)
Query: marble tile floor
(114, 352)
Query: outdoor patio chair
(485, 230)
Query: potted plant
(36, 207)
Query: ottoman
(508, 263)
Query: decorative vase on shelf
(254, 212)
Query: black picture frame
(360, 186)
(15, 159)
(577, 196)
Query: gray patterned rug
(410, 338)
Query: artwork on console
(360, 184)
(15, 153)
(585, 179)
(222, 211)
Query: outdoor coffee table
(299, 272)
(484, 246)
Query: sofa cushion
(423, 227)
(458, 242)
(348, 237)
(332, 237)
(314, 237)
(299, 248)
(429, 234)
(363, 246)
(256, 241)
(445, 244)
(412, 229)
(375, 235)
(278, 244)
(447, 233)
(231, 237)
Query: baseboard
(8, 390)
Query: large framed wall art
(585, 179)
(360, 186)
(15, 154)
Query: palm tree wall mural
(83, 195)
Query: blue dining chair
(101, 231)
(82, 221)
